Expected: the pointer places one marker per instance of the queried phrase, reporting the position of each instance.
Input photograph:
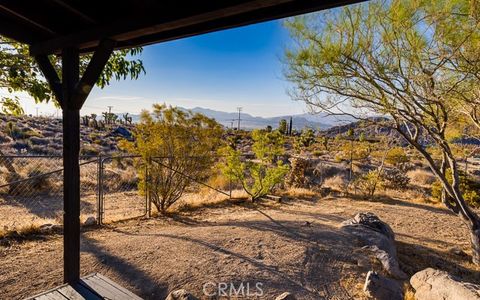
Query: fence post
(100, 191)
(230, 185)
(148, 203)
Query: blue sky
(221, 70)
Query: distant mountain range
(300, 121)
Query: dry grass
(205, 198)
(23, 231)
(409, 294)
(421, 178)
(336, 183)
(300, 193)
(219, 181)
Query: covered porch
(70, 29)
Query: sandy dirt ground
(295, 246)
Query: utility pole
(36, 108)
(239, 111)
(290, 126)
(110, 109)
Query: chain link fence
(121, 195)
(31, 188)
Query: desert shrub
(89, 150)
(41, 150)
(421, 177)
(468, 187)
(38, 182)
(220, 181)
(338, 183)
(38, 141)
(29, 133)
(283, 126)
(172, 143)
(12, 130)
(15, 188)
(395, 179)
(307, 138)
(396, 156)
(298, 177)
(357, 151)
(4, 137)
(260, 176)
(369, 183)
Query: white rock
(286, 296)
(432, 284)
(381, 288)
(181, 294)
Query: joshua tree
(106, 117)
(282, 126)
(125, 117)
(85, 120)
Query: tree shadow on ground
(414, 258)
(145, 285)
(326, 251)
(44, 206)
(396, 202)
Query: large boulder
(123, 132)
(432, 284)
(381, 288)
(376, 236)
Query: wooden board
(91, 287)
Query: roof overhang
(51, 25)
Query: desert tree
(395, 59)
(177, 147)
(260, 176)
(20, 73)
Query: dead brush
(20, 232)
(300, 193)
(337, 183)
(219, 181)
(421, 177)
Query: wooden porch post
(71, 92)
(71, 168)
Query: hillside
(43, 136)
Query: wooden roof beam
(248, 18)
(27, 20)
(52, 77)
(129, 29)
(74, 11)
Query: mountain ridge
(247, 121)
